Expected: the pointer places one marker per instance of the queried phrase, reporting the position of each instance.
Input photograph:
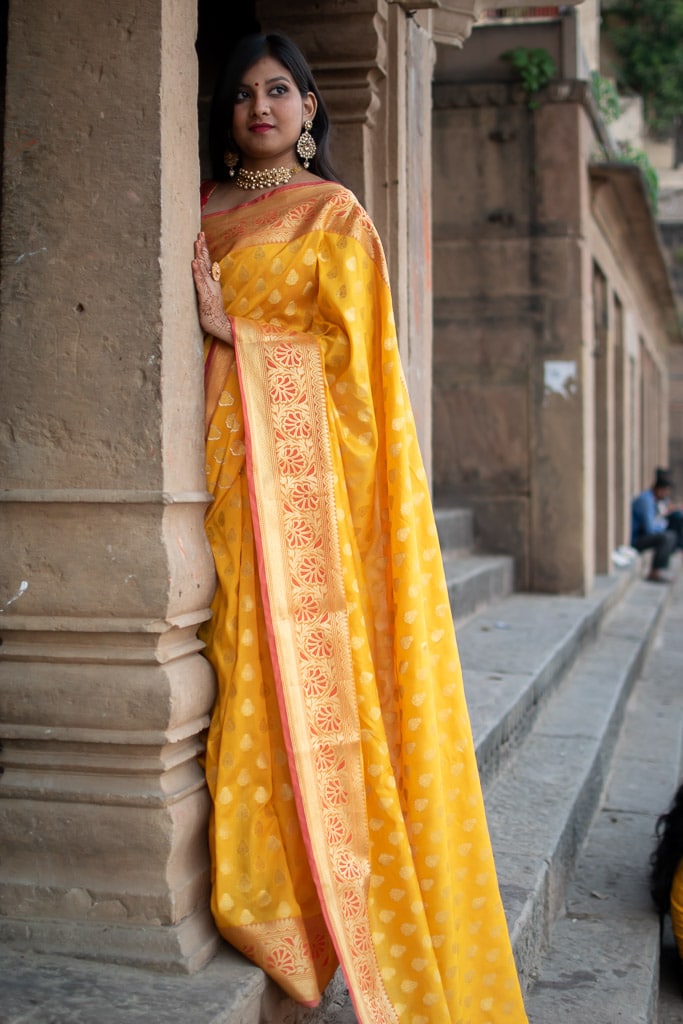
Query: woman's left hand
(209, 296)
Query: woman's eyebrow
(268, 81)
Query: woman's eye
(279, 90)
(242, 94)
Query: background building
(554, 315)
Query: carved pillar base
(102, 801)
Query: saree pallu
(348, 822)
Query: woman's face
(269, 114)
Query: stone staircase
(575, 705)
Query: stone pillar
(374, 64)
(105, 570)
(654, 411)
(604, 417)
(622, 430)
(636, 347)
(563, 420)
(676, 419)
(417, 253)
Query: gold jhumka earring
(231, 161)
(306, 147)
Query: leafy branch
(647, 36)
(535, 68)
(606, 97)
(629, 155)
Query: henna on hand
(210, 305)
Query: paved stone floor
(58, 990)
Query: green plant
(647, 36)
(606, 97)
(629, 155)
(535, 68)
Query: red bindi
(256, 83)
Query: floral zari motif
(292, 484)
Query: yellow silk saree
(348, 823)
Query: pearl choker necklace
(264, 179)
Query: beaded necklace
(264, 179)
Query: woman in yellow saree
(348, 823)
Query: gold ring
(216, 271)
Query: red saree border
(291, 481)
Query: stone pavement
(55, 990)
(670, 1007)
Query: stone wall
(537, 270)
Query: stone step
(603, 962)
(541, 806)
(523, 659)
(476, 582)
(516, 653)
(455, 528)
(230, 990)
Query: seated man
(650, 526)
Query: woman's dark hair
(250, 49)
(667, 854)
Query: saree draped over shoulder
(348, 823)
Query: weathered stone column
(604, 421)
(623, 429)
(563, 413)
(104, 568)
